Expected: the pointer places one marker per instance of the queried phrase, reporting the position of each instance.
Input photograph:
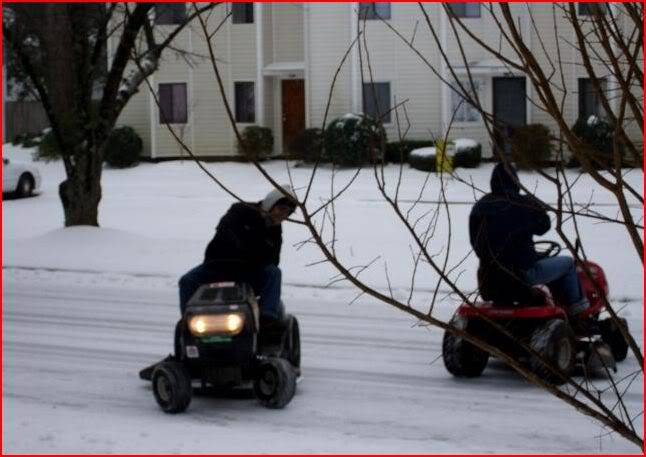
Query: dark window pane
(172, 103)
(245, 102)
(468, 9)
(376, 100)
(374, 10)
(242, 13)
(170, 13)
(586, 8)
(589, 103)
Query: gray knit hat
(275, 195)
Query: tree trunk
(81, 192)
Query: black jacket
(501, 229)
(244, 242)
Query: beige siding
(173, 69)
(136, 114)
(547, 47)
(268, 33)
(287, 32)
(412, 82)
(327, 34)
(270, 115)
(329, 38)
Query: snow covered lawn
(85, 308)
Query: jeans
(559, 273)
(265, 282)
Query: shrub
(599, 136)
(307, 145)
(531, 146)
(398, 151)
(27, 140)
(123, 148)
(48, 148)
(353, 140)
(423, 159)
(258, 142)
(468, 154)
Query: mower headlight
(216, 324)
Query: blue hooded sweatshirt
(502, 224)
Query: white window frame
(465, 15)
(466, 113)
(371, 6)
(235, 102)
(385, 109)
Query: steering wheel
(547, 248)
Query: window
(586, 8)
(245, 102)
(242, 13)
(172, 103)
(374, 11)
(376, 101)
(464, 111)
(170, 13)
(589, 103)
(465, 9)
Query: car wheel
(172, 387)
(554, 341)
(274, 383)
(25, 186)
(461, 358)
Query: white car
(20, 178)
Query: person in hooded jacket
(502, 225)
(246, 248)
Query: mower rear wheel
(611, 334)
(554, 341)
(172, 387)
(461, 358)
(275, 382)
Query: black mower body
(219, 342)
(219, 360)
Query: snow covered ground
(85, 308)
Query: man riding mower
(539, 298)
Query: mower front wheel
(611, 334)
(275, 382)
(292, 346)
(172, 387)
(461, 358)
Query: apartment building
(278, 62)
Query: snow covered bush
(27, 140)
(353, 140)
(599, 135)
(531, 146)
(307, 145)
(258, 142)
(423, 158)
(47, 148)
(398, 151)
(468, 153)
(123, 148)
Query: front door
(509, 108)
(293, 91)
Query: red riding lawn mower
(544, 327)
